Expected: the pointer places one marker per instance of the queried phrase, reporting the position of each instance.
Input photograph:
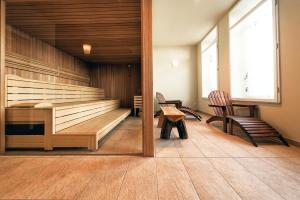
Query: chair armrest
(250, 106)
(173, 101)
(244, 105)
(216, 106)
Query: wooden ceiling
(112, 27)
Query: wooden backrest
(19, 90)
(160, 97)
(221, 98)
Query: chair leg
(254, 143)
(251, 140)
(157, 114)
(283, 141)
(225, 125)
(166, 129)
(230, 126)
(213, 118)
(182, 129)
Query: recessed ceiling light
(87, 49)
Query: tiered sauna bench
(80, 119)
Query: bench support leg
(93, 144)
(182, 129)
(167, 128)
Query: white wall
(176, 82)
(283, 116)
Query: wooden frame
(2, 76)
(276, 59)
(147, 78)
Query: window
(253, 50)
(209, 63)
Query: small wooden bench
(172, 117)
(137, 104)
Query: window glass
(209, 63)
(253, 55)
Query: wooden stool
(172, 117)
(137, 105)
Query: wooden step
(88, 133)
(97, 124)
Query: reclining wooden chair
(178, 104)
(252, 127)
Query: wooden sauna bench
(88, 133)
(79, 119)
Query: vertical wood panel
(147, 78)
(32, 58)
(2, 76)
(118, 81)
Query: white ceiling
(185, 22)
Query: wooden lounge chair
(178, 104)
(252, 127)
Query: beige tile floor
(208, 165)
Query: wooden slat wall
(113, 27)
(118, 81)
(21, 90)
(31, 58)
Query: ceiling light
(87, 49)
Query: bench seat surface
(98, 124)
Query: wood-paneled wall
(2, 77)
(119, 81)
(31, 58)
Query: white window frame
(217, 61)
(277, 87)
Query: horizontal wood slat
(21, 90)
(67, 120)
(137, 101)
(13, 103)
(23, 141)
(262, 131)
(31, 58)
(82, 119)
(71, 108)
(97, 124)
(262, 135)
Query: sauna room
(73, 77)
